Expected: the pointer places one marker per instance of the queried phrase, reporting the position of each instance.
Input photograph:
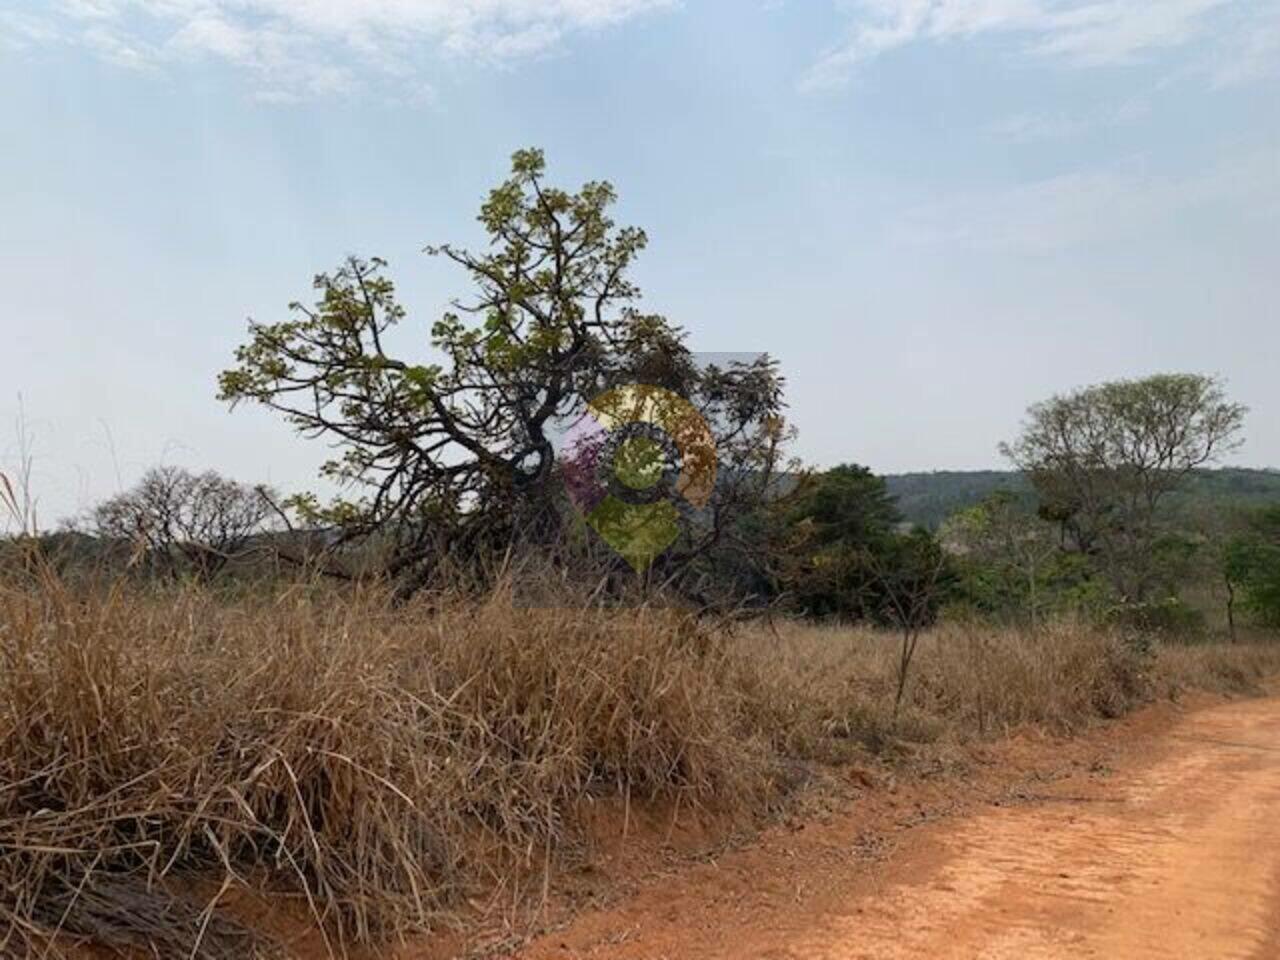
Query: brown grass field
(164, 750)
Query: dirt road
(1174, 854)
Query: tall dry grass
(367, 762)
(161, 750)
(824, 692)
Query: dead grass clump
(364, 763)
(834, 686)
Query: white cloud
(1076, 32)
(1121, 31)
(119, 48)
(19, 30)
(301, 48)
(1038, 127)
(282, 61)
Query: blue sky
(933, 212)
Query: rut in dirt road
(1178, 858)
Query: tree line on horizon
(927, 498)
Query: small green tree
(1010, 560)
(845, 555)
(911, 578)
(835, 521)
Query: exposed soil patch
(1154, 837)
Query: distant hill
(927, 499)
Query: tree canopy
(180, 522)
(447, 449)
(1102, 460)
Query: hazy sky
(934, 212)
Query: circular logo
(637, 446)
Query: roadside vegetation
(367, 768)
(373, 708)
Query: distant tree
(834, 521)
(930, 499)
(1011, 557)
(847, 505)
(1103, 459)
(455, 455)
(177, 521)
(1213, 527)
(843, 553)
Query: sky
(932, 212)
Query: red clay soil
(1156, 836)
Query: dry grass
(1223, 668)
(825, 687)
(161, 750)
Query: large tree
(1103, 460)
(453, 451)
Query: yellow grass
(370, 765)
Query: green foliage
(929, 499)
(1011, 566)
(1169, 617)
(912, 578)
(849, 506)
(1175, 558)
(836, 520)
(1252, 563)
(458, 455)
(1104, 459)
(844, 556)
